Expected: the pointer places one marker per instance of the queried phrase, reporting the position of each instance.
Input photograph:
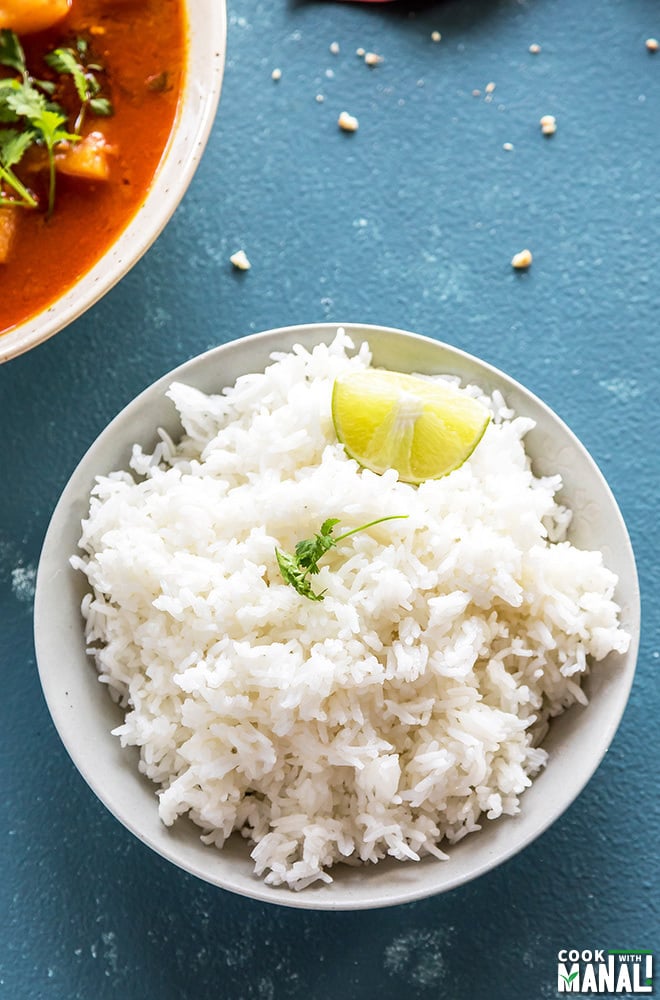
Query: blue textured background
(410, 222)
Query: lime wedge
(388, 420)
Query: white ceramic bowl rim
(201, 88)
(83, 712)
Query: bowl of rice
(443, 703)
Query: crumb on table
(548, 124)
(240, 261)
(348, 122)
(521, 261)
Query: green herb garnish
(11, 53)
(12, 147)
(30, 118)
(297, 568)
(74, 63)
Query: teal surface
(412, 222)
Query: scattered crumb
(521, 261)
(347, 122)
(360, 52)
(490, 87)
(436, 36)
(535, 48)
(548, 124)
(372, 59)
(276, 74)
(330, 73)
(240, 261)
(334, 48)
(508, 146)
(320, 98)
(476, 93)
(652, 44)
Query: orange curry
(137, 49)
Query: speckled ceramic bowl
(84, 714)
(201, 92)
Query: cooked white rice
(394, 716)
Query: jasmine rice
(394, 716)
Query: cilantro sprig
(74, 62)
(29, 117)
(297, 567)
(13, 145)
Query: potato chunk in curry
(8, 226)
(87, 159)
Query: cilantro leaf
(72, 62)
(13, 145)
(26, 101)
(101, 107)
(293, 575)
(7, 87)
(11, 52)
(50, 125)
(297, 568)
(65, 61)
(310, 550)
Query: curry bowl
(84, 714)
(137, 88)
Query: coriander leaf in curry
(73, 62)
(26, 103)
(13, 145)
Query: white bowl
(84, 714)
(207, 26)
